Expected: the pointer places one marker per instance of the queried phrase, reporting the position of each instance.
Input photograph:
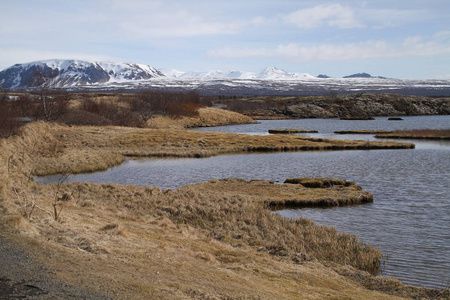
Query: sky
(392, 38)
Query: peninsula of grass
(294, 192)
(429, 134)
(290, 131)
(361, 131)
(80, 149)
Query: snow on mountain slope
(278, 74)
(272, 73)
(171, 73)
(269, 73)
(66, 73)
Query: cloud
(412, 40)
(335, 15)
(294, 52)
(107, 20)
(386, 18)
(442, 35)
(346, 17)
(138, 19)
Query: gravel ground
(22, 277)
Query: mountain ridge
(69, 72)
(66, 73)
(271, 73)
(75, 75)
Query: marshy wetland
(150, 241)
(408, 220)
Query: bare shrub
(90, 105)
(52, 107)
(9, 122)
(82, 117)
(24, 106)
(109, 109)
(177, 110)
(147, 104)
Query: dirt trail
(22, 277)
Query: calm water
(409, 219)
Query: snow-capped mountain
(269, 73)
(69, 73)
(171, 73)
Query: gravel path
(22, 277)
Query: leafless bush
(90, 105)
(82, 117)
(183, 110)
(9, 122)
(54, 106)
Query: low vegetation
(361, 131)
(361, 118)
(295, 192)
(144, 110)
(290, 131)
(432, 134)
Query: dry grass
(439, 134)
(361, 131)
(216, 240)
(295, 192)
(290, 131)
(207, 116)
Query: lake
(408, 220)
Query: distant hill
(363, 75)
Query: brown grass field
(432, 134)
(361, 132)
(290, 131)
(214, 240)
